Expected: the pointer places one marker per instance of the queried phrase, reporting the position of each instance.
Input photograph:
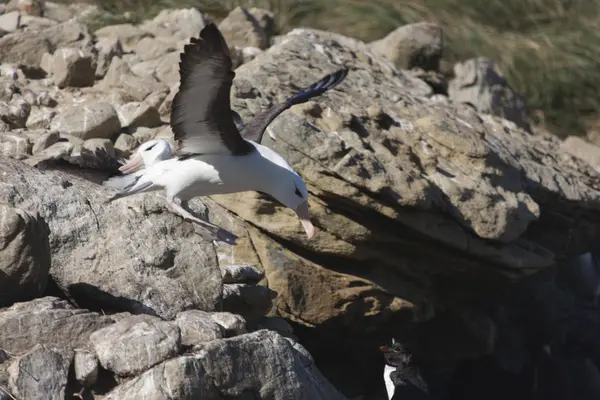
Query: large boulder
(24, 255)
(230, 368)
(389, 182)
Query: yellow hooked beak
(302, 212)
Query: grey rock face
(39, 374)
(88, 121)
(138, 114)
(478, 82)
(283, 373)
(73, 67)
(24, 255)
(197, 327)
(134, 344)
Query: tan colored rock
(479, 83)
(137, 114)
(73, 67)
(88, 121)
(129, 35)
(414, 45)
(180, 24)
(241, 28)
(27, 7)
(24, 255)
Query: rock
(102, 144)
(241, 274)
(9, 22)
(29, 22)
(119, 75)
(24, 255)
(46, 100)
(479, 83)
(39, 374)
(180, 24)
(149, 48)
(241, 28)
(414, 45)
(49, 322)
(127, 34)
(44, 141)
(148, 272)
(165, 68)
(284, 373)
(85, 366)
(156, 99)
(40, 117)
(58, 12)
(248, 300)
(71, 33)
(88, 121)
(583, 150)
(107, 48)
(14, 145)
(73, 67)
(197, 327)
(136, 114)
(232, 324)
(133, 345)
(27, 7)
(15, 113)
(126, 142)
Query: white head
(287, 187)
(148, 153)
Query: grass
(549, 50)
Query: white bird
(212, 156)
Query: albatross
(217, 153)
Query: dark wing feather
(201, 113)
(255, 128)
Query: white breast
(389, 385)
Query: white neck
(389, 385)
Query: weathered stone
(127, 34)
(88, 121)
(232, 324)
(165, 68)
(102, 144)
(414, 45)
(119, 75)
(285, 372)
(40, 117)
(26, 7)
(24, 255)
(85, 365)
(107, 48)
(58, 12)
(44, 141)
(136, 114)
(144, 273)
(241, 28)
(73, 67)
(9, 22)
(47, 321)
(156, 99)
(13, 145)
(15, 113)
(182, 24)
(133, 345)
(197, 327)
(126, 142)
(241, 274)
(479, 83)
(149, 48)
(39, 374)
(583, 150)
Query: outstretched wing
(201, 114)
(255, 128)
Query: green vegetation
(549, 50)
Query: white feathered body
(389, 385)
(209, 174)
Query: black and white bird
(217, 152)
(402, 379)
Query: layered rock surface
(426, 209)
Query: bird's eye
(149, 148)
(297, 193)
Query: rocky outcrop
(429, 211)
